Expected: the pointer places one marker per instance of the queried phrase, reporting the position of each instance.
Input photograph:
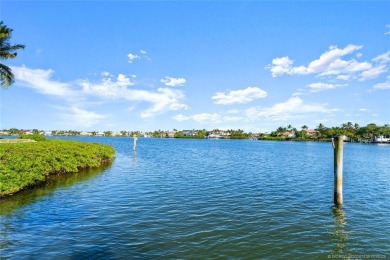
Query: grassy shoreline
(25, 164)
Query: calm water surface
(198, 199)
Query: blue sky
(253, 65)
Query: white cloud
(177, 106)
(41, 81)
(363, 110)
(207, 118)
(81, 118)
(163, 99)
(382, 58)
(320, 86)
(106, 74)
(122, 80)
(232, 118)
(132, 57)
(344, 77)
(379, 68)
(181, 118)
(173, 82)
(200, 118)
(383, 85)
(239, 96)
(388, 26)
(144, 56)
(331, 63)
(107, 89)
(38, 51)
(372, 72)
(280, 66)
(293, 107)
(300, 92)
(328, 58)
(132, 107)
(233, 111)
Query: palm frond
(7, 51)
(6, 76)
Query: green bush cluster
(25, 164)
(35, 137)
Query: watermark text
(350, 256)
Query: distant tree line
(354, 132)
(195, 134)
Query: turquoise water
(206, 199)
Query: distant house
(171, 134)
(218, 134)
(225, 134)
(190, 132)
(380, 139)
(346, 138)
(310, 132)
(289, 134)
(215, 136)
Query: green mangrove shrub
(25, 164)
(35, 137)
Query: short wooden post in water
(134, 142)
(338, 143)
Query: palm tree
(7, 51)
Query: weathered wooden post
(134, 142)
(338, 143)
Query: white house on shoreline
(380, 139)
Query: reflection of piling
(338, 143)
(134, 142)
(339, 235)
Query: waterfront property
(380, 139)
(215, 136)
(371, 133)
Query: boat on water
(380, 139)
(215, 136)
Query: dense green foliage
(199, 134)
(35, 137)
(322, 133)
(239, 134)
(24, 164)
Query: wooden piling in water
(134, 142)
(338, 143)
